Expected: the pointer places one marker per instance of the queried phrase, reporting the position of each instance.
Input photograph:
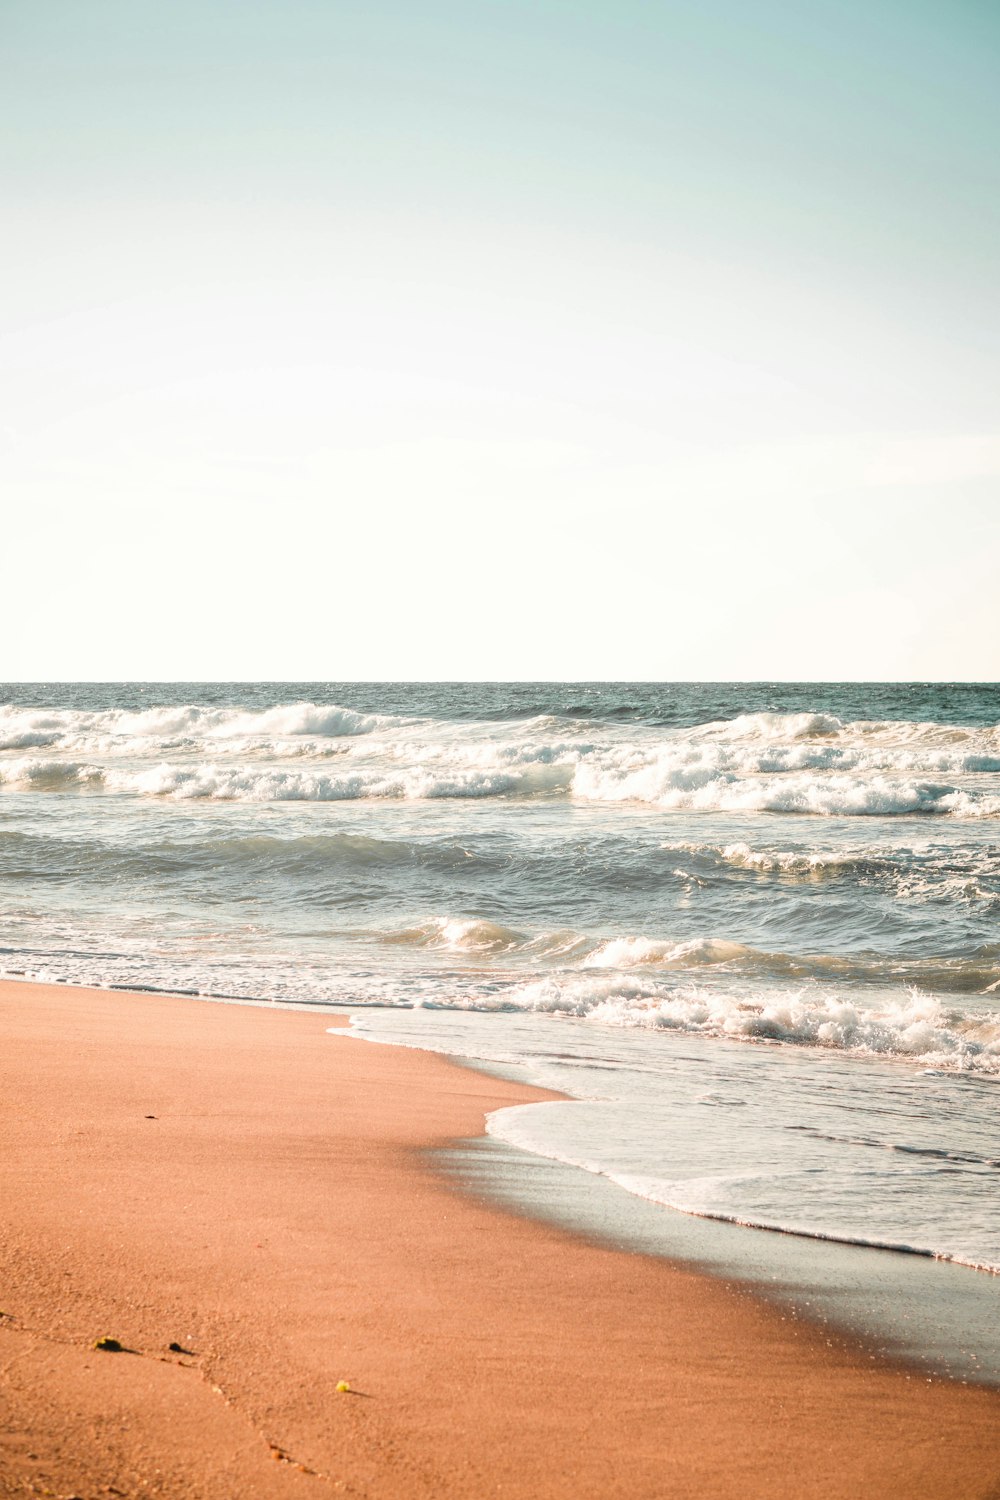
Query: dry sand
(277, 1218)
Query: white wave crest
(918, 1028)
(666, 786)
(775, 726)
(800, 763)
(704, 788)
(642, 952)
(460, 934)
(35, 774)
(28, 728)
(786, 861)
(408, 778)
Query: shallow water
(755, 929)
(902, 1308)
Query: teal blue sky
(548, 339)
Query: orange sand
(277, 1218)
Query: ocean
(751, 930)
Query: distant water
(754, 929)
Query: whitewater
(752, 930)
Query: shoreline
(932, 1314)
(232, 1179)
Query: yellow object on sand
(343, 1385)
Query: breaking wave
(918, 1028)
(975, 973)
(822, 796)
(657, 783)
(808, 763)
(224, 783)
(23, 729)
(788, 862)
(775, 727)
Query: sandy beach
(238, 1183)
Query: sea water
(752, 930)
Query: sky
(650, 339)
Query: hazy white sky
(496, 339)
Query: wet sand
(237, 1182)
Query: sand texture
(278, 1219)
